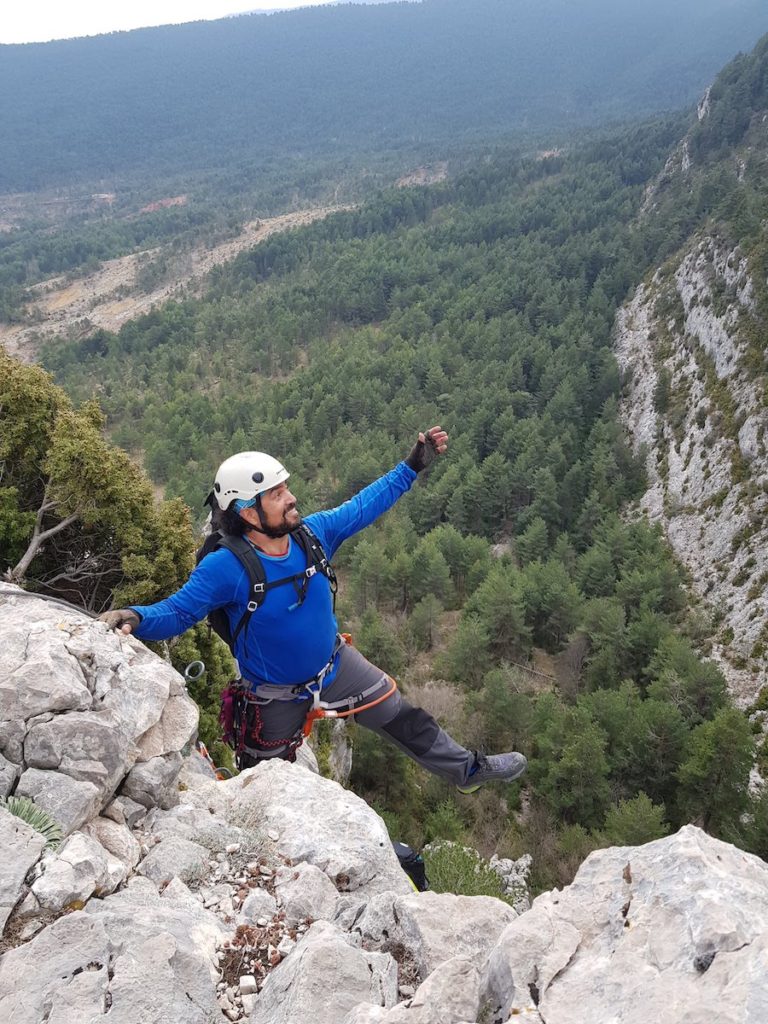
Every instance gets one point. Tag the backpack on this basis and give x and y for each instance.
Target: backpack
(218, 620)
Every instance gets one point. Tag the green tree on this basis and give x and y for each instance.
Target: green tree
(634, 822)
(379, 643)
(424, 621)
(577, 785)
(498, 605)
(85, 525)
(430, 573)
(469, 654)
(679, 677)
(714, 776)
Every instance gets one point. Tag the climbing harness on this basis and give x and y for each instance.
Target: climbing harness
(243, 723)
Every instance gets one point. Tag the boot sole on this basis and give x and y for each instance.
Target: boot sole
(467, 790)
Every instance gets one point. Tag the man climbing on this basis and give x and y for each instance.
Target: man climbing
(283, 630)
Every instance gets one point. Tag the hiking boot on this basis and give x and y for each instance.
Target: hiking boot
(494, 768)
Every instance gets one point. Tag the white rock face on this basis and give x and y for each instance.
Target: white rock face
(80, 706)
(433, 927)
(133, 955)
(258, 905)
(175, 858)
(450, 993)
(21, 847)
(318, 822)
(323, 979)
(714, 516)
(79, 869)
(304, 891)
(670, 932)
(117, 839)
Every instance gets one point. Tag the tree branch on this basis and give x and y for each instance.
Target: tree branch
(39, 537)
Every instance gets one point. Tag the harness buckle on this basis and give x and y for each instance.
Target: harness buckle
(310, 571)
(259, 588)
(252, 606)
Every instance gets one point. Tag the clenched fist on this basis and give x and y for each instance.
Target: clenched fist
(431, 443)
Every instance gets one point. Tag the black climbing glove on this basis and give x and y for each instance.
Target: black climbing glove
(124, 620)
(431, 443)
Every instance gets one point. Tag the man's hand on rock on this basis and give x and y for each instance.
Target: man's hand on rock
(431, 443)
(123, 620)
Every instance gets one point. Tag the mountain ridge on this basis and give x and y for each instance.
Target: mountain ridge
(354, 75)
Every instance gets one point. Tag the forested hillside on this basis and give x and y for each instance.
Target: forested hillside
(507, 592)
(181, 98)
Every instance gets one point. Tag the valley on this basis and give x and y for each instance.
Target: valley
(72, 307)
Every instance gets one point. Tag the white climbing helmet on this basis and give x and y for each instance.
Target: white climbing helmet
(245, 475)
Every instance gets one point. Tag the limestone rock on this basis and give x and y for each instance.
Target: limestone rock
(323, 979)
(21, 847)
(434, 927)
(79, 869)
(153, 783)
(320, 823)
(340, 756)
(199, 825)
(194, 768)
(137, 955)
(175, 729)
(450, 994)
(70, 802)
(365, 1013)
(304, 891)
(175, 858)
(12, 735)
(674, 930)
(125, 811)
(305, 756)
(257, 904)
(92, 746)
(39, 980)
(37, 675)
(116, 839)
(9, 772)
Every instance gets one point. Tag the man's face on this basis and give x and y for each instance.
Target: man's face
(279, 508)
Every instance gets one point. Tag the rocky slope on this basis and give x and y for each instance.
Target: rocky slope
(113, 295)
(691, 344)
(275, 897)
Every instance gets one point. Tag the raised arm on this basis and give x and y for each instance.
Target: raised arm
(335, 525)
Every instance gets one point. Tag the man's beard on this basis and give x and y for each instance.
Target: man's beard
(276, 532)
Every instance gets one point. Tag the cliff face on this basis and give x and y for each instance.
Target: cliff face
(694, 405)
(692, 345)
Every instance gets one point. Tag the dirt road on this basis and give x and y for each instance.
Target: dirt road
(110, 297)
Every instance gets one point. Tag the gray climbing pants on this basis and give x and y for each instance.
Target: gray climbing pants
(411, 729)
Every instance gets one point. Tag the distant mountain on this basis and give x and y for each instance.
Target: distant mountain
(354, 75)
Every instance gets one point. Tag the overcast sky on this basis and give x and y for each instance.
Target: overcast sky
(37, 21)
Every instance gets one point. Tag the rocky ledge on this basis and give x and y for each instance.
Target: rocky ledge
(275, 897)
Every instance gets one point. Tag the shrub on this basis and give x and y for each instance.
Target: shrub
(453, 868)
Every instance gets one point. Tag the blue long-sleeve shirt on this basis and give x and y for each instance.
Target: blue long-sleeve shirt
(280, 645)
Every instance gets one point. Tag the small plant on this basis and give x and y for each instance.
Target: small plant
(27, 810)
(458, 869)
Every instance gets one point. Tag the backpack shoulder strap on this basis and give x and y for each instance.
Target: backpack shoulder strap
(316, 557)
(248, 557)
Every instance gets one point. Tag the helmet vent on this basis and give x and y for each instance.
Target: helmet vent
(258, 478)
